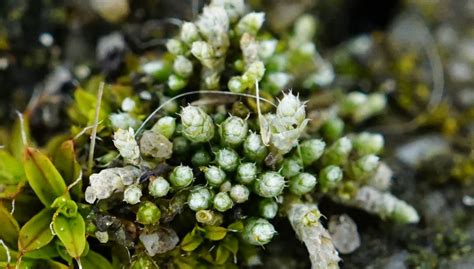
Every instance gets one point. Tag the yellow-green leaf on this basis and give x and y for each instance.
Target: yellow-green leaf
(43, 177)
(72, 233)
(237, 226)
(215, 233)
(8, 227)
(94, 260)
(222, 254)
(36, 232)
(11, 169)
(20, 135)
(68, 166)
(231, 243)
(191, 241)
(46, 252)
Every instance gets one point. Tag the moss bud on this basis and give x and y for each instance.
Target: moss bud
(239, 193)
(233, 131)
(222, 202)
(199, 198)
(268, 208)
(214, 175)
(302, 183)
(181, 176)
(270, 184)
(158, 187)
(227, 159)
(148, 213)
(246, 173)
(258, 231)
(197, 125)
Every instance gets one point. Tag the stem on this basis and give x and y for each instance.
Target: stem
(94, 129)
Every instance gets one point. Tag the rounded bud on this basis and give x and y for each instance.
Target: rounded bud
(222, 202)
(176, 83)
(246, 173)
(148, 213)
(333, 128)
(165, 126)
(258, 231)
(338, 152)
(239, 193)
(365, 166)
(199, 198)
(189, 33)
(132, 194)
(182, 66)
(236, 85)
(367, 143)
(201, 158)
(226, 186)
(209, 217)
(254, 149)
(158, 187)
(214, 176)
(202, 50)
(268, 208)
(175, 47)
(302, 183)
(311, 150)
(197, 125)
(227, 159)
(181, 176)
(254, 72)
(291, 108)
(270, 184)
(290, 168)
(329, 176)
(250, 23)
(233, 131)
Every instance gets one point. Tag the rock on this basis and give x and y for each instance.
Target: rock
(412, 153)
(344, 233)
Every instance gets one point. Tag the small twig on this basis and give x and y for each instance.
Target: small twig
(13, 207)
(94, 129)
(79, 178)
(83, 131)
(140, 129)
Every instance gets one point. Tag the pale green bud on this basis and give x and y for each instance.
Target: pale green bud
(236, 85)
(212, 80)
(246, 173)
(338, 152)
(222, 202)
(132, 194)
(123, 121)
(404, 213)
(148, 213)
(124, 141)
(239, 193)
(202, 50)
(333, 128)
(329, 177)
(254, 149)
(226, 186)
(268, 208)
(254, 72)
(291, 109)
(269, 184)
(176, 83)
(250, 23)
(267, 48)
(128, 104)
(227, 159)
(180, 145)
(197, 125)
(158, 187)
(234, 8)
(367, 143)
(277, 81)
(305, 28)
(365, 166)
(290, 168)
(182, 66)
(311, 150)
(165, 126)
(258, 231)
(159, 69)
(189, 33)
(214, 176)
(233, 131)
(181, 176)
(175, 47)
(302, 183)
(199, 198)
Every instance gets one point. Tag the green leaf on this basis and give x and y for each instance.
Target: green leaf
(94, 260)
(11, 169)
(231, 243)
(237, 226)
(215, 233)
(36, 232)
(20, 132)
(46, 252)
(68, 166)
(191, 241)
(43, 177)
(72, 233)
(9, 228)
(222, 254)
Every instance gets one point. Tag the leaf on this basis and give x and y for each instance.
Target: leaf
(46, 252)
(94, 260)
(231, 243)
(20, 132)
(43, 177)
(72, 233)
(36, 232)
(237, 226)
(215, 233)
(191, 241)
(9, 227)
(222, 254)
(68, 166)
(11, 169)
